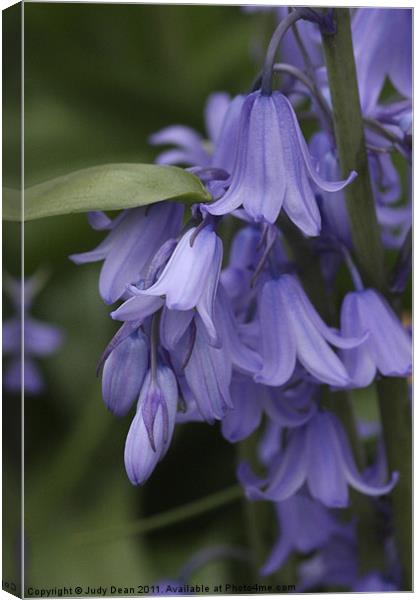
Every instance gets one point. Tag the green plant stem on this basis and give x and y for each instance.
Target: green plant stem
(165, 519)
(350, 142)
(349, 134)
(397, 429)
(256, 515)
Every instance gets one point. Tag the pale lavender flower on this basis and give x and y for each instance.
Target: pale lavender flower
(291, 329)
(189, 280)
(123, 373)
(191, 149)
(317, 453)
(273, 167)
(388, 349)
(222, 122)
(376, 58)
(151, 430)
(135, 237)
(208, 370)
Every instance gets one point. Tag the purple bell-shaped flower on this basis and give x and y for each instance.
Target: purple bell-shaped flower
(291, 329)
(273, 167)
(388, 348)
(152, 428)
(317, 454)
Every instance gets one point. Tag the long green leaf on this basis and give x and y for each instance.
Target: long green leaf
(105, 187)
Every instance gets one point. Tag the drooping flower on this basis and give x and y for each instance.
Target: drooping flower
(123, 373)
(290, 407)
(376, 58)
(222, 123)
(208, 370)
(190, 147)
(273, 167)
(189, 280)
(291, 329)
(135, 237)
(39, 339)
(151, 430)
(304, 525)
(337, 564)
(388, 348)
(317, 453)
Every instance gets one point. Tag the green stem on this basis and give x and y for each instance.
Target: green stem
(349, 133)
(165, 519)
(350, 142)
(397, 429)
(257, 517)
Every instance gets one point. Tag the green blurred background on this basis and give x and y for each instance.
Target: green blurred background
(99, 79)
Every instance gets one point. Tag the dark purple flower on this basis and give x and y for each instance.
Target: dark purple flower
(290, 329)
(388, 348)
(273, 167)
(135, 237)
(317, 453)
(151, 430)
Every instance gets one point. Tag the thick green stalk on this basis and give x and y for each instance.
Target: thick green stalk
(397, 426)
(350, 142)
(349, 133)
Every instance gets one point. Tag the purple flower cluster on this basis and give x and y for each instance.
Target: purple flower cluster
(246, 344)
(39, 339)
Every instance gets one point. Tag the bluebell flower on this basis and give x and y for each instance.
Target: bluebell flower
(189, 280)
(376, 58)
(190, 148)
(304, 525)
(388, 349)
(222, 123)
(286, 407)
(374, 582)
(291, 329)
(273, 167)
(394, 220)
(134, 238)
(39, 339)
(318, 453)
(209, 369)
(336, 564)
(151, 430)
(123, 373)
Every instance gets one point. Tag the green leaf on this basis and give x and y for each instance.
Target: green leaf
(105, 187)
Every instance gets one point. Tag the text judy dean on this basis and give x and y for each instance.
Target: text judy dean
(157, 589)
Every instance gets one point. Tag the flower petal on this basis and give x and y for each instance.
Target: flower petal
(278, 343)
(326, 477)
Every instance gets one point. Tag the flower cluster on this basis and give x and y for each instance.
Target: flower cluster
(39, 339)
(243, 339)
